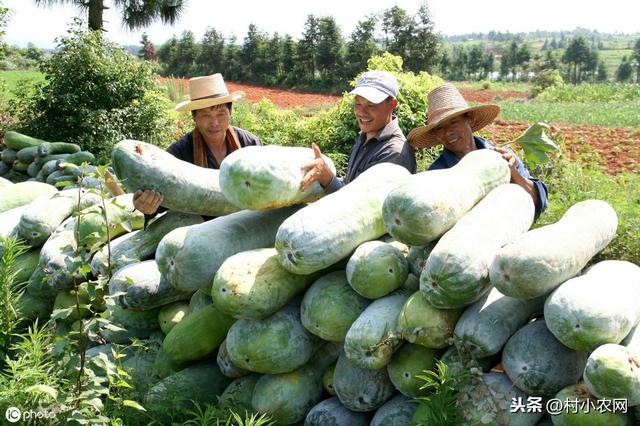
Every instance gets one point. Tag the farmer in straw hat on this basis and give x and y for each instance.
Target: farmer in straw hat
(380, 140)
(451, 122)
(213, 137)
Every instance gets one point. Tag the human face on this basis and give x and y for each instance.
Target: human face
(456, 135)
(373, 117)
(213, 122)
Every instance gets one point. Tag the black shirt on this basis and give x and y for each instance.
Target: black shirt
(183, 147)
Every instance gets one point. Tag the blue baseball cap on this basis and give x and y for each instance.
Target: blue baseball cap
(376, 86)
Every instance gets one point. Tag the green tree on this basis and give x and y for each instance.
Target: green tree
(233, 63)
(210, 57)
(95, 95)
(601, 74)
(577, 56)
(361, 46)
(330, 51)
(185, 55)
(273, 69)
(135, 13)
(424, 44)
(307, 50)
(474, 61)
(253, 54)
(288, 58)
(636, 57)
(398, 27)
(624, 71)
(4, 18)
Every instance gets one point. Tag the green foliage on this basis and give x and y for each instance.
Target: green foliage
(535, 144)
(613, 114)
(441, 406)
(569, 183)
(95, 95)
(545, 79)
(602, 92)
(10, 249)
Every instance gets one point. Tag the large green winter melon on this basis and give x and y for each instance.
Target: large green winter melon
(421, 323)
(377, 268)
(140, 245)
(288, 397)
(457, 271)
(541, 259)
(537, 363)
(411, 360)
(185, 187)
(276, 344)
(361, 389)
(598, 307)
(398, 411)
(140, 287)
(253, 285)
(197, 335)
(239, 393)
(45, 215)
(227, 366)
(431, 202)
(328, 230)
(330, 306)
(171, 314)
(331, 412)
(583, 409)
(174, 395)
(486, 325)
(613, 371)
(190, 256)
(19, 194)
(372, 338)
(265, 177)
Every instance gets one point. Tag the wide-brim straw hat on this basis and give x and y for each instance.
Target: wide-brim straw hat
(208, 91)
(446, 103)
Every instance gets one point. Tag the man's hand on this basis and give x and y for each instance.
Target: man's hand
(510, 158)
(147, 201)
(317, 170)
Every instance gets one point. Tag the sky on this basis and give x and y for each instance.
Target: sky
(41, 26)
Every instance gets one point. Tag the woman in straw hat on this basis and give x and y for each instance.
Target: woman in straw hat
(451, 122)
(213, 137)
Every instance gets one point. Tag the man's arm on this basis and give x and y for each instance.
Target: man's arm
(520, 175)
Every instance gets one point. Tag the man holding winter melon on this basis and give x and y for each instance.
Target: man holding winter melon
(213, 137)
(451, 122)
(380, 140)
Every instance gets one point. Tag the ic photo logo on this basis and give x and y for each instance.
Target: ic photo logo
(13, 414)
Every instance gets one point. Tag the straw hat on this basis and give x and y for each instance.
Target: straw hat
(208, 91)
(446, 103)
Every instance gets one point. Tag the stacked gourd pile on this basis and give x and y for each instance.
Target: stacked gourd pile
(280, 306)
(26, 158)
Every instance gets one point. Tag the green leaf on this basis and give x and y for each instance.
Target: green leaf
(48, 390)
(133, 404)
(535, 143)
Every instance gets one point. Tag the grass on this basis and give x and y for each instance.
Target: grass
(497, 86)
(10, 80)
(611, 114)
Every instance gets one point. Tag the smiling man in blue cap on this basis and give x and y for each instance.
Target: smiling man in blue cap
(380, 140)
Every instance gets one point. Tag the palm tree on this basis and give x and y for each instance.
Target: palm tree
(135, 13)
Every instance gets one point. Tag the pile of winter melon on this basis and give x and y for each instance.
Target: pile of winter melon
(324, 309)
(27, 158)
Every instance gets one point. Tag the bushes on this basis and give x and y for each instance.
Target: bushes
(95, 94)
